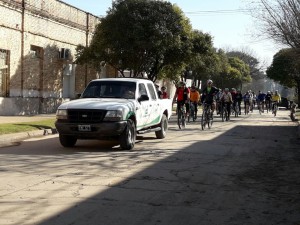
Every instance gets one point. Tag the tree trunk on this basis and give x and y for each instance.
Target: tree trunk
(298, 92)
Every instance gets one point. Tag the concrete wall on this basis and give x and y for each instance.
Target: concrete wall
(35, 32)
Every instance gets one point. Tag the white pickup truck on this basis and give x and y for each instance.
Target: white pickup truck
(114, 108)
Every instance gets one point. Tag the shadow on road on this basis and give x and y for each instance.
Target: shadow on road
(248, 175)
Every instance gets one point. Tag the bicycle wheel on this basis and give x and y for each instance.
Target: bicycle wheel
(183, 120)
(209, 119)
(191, 115)
(275, 110)
(179, 112)
(236, 110)
(246, 109)
(203, 120)
(226, 115)
(222, 113)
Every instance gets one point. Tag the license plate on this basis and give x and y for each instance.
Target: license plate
(84, 128)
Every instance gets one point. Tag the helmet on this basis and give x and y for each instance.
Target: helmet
(226, 89)
(209, 81)
(181, 83)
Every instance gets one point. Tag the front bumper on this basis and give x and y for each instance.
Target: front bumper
(102, 130)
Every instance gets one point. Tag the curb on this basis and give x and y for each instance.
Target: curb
(12, 139)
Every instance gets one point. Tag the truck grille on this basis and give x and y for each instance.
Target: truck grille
(85, 116)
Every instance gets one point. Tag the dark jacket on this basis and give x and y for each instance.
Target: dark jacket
(208, 96)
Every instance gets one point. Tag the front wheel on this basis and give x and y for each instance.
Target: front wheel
(163, 126)
(67, 140)
(127, 138)
(203, 121)
(209, 119)
(179, 118)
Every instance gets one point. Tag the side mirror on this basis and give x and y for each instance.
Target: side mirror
(78, 95)
(143, 98)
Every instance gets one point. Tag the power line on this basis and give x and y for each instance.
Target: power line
(221, 11)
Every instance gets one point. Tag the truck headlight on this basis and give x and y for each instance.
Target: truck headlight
(113, 115)
(61, 114)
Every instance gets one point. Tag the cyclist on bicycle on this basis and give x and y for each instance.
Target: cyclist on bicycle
(218, 101)
(276, 98)
(182, 95)
(238, 99)
(261, 100)
(234, 94)
(194, 98)
(268, 99)
(208, 95)
(227, 100)
(247, 100)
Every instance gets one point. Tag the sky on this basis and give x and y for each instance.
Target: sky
(227, 21)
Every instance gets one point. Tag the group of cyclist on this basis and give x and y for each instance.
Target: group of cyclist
(218, 98)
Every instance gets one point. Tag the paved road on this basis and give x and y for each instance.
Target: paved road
(241, 172)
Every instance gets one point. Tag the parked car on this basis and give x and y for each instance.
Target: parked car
(284, 103)
(114, 108)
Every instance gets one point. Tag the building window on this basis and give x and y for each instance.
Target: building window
(4, 73)
(36, 51)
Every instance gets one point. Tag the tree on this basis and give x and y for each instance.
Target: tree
(285, 69)
(140, 36)
(202, 58)
(256, 70)
(280, 20)
(239, 72)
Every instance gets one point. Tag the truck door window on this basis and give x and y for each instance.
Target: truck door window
(152, 91)
(142, 90)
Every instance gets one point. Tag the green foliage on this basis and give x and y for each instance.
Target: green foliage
(202, 61)
(253, 63)
(285, 69)
(141, 36)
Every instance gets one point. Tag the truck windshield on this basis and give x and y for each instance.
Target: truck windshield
(110, 89)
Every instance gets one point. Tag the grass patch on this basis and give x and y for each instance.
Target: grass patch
(9, 128)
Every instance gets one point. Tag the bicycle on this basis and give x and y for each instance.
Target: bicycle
(247, 105)
(224, 113)
(274, 108)
(181, 117)
(207, 118)
(268, 106)
(261, 107)
(236, 109)
(192, 112)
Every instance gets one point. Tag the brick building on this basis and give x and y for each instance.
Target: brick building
(38, 39)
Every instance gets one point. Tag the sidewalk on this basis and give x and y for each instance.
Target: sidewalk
(12, 139)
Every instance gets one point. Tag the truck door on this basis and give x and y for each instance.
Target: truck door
(142, 111)
(154, 106)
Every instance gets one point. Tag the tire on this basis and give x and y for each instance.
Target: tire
(203, 121)
(222, 114)
(192, 114)
(209, 120)
(67, 140)
(127, 138)
(236, 110)
(183, 121)
(164, 127)
(179, 118)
